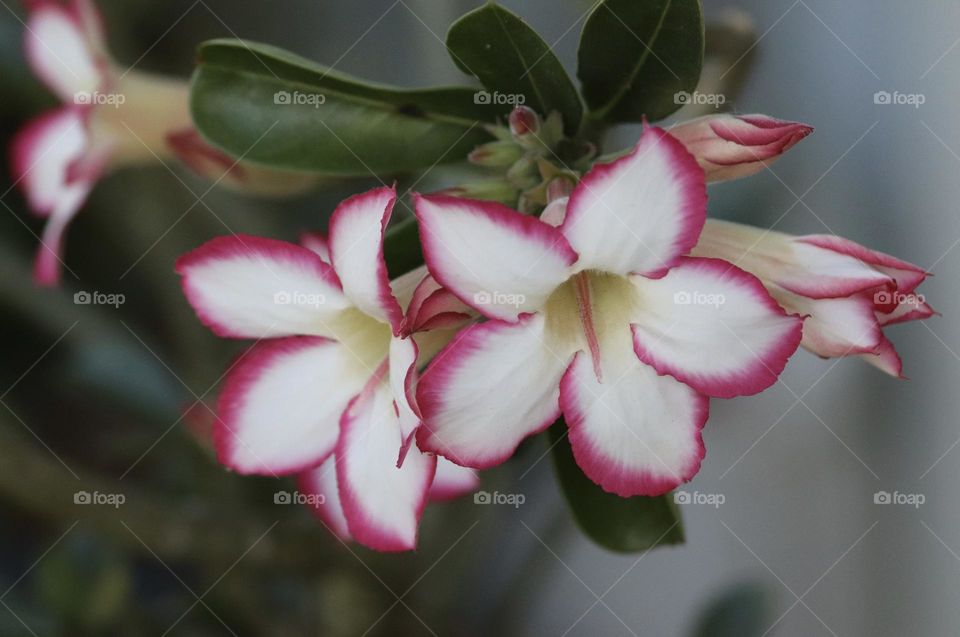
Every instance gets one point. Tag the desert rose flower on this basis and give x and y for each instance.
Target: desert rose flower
(848, 293)
(328, 389)
(734, 146)
(110, 118)
(602, 319)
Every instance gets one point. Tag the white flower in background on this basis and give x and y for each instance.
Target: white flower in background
(109, 118)
(327, 392)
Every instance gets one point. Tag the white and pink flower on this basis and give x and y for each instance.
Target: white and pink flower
(734, 146)
(848, 293)
(110, 118)
(599, 316)
(327, 391)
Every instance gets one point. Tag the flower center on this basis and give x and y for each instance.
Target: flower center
(366, 338)
(582, 286)
(591, 312)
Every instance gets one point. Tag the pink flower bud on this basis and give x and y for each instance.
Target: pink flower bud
(730, 147)
(524, 121)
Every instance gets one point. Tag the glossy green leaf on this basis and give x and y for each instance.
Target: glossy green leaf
(635, 56)
(510, 59)
(275, 108)
(625, 525)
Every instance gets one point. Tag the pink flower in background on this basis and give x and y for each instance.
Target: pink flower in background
(602, 319)
(734, 146)
(848, 293)
(110, 118)
(327, 391)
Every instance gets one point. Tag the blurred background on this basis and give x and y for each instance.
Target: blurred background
(92, 396)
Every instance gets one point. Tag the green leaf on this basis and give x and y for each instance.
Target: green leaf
(626, 525)
(264, 104)
(635, 56)
(509, 59)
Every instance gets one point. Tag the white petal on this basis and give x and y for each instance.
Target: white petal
(492, 258)
(62, 53)
(714, 327)
(382, 503)
(356, 252)
(493, 386)
(639, 213)
(248, 287)
(834, 327)
(43, 152)
(280, 408)
(634, 432)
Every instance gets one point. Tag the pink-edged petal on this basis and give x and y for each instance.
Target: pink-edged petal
(248, 287)
(496, 260)
(714, 327)
(735, 146)
(43, 152)
(62, 49)
(634, 433)
(47, 266)
(452, 481)
(317, 243)
(641, 212)
(432, 306)
(834, 327)
(321, 484)
(796, 265)
(402, 374)
(280, 409)
(910, 307)
(382, 503)
(47, 155)
(885, 359)
(907, 275)
(356, 252)
(493, 386)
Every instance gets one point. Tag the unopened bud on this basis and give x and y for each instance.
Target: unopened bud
(524, 121)
(496, 154)
(498, 190)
